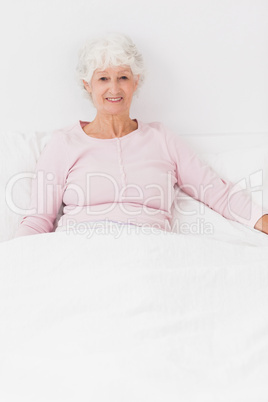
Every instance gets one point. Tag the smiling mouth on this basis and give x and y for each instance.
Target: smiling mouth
(114, 100)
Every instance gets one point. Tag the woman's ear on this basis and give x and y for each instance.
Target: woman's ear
(87, 86)
(137, 79)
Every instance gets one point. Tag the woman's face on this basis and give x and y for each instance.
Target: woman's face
(112, 89)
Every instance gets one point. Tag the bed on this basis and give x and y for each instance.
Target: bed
(123, 314)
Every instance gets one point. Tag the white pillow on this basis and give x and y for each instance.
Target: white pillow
(18, 155)
(245, 167)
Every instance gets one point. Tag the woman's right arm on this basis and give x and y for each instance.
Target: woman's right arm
(47, 188)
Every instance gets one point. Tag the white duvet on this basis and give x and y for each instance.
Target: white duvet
(134, 317)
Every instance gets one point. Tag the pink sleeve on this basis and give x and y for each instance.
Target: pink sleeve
(47, 188)
(199, 181)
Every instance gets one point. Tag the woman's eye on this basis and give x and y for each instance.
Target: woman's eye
(124, 77)
(103, 78)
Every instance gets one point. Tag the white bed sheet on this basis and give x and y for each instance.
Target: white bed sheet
(134, 316)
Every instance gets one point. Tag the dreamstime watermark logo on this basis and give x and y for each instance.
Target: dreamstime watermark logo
(100, 193)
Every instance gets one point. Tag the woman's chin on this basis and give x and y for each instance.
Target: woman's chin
(115, 109)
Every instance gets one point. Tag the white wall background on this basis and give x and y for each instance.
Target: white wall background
(207, 61)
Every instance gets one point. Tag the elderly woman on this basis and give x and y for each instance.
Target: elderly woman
(119, 169)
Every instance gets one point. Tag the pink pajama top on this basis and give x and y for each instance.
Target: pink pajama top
(129, 179)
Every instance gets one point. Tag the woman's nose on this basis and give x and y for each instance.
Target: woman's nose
(114, 86)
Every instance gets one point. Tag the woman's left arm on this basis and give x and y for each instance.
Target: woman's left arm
(201, 182)
(262, 224)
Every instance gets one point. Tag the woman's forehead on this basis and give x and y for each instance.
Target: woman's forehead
(111, 69)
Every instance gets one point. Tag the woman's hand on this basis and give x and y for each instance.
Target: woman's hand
(262, 224)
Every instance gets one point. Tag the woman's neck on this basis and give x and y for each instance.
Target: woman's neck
(110, 126)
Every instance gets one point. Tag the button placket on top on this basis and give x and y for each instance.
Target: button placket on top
(119, 152)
